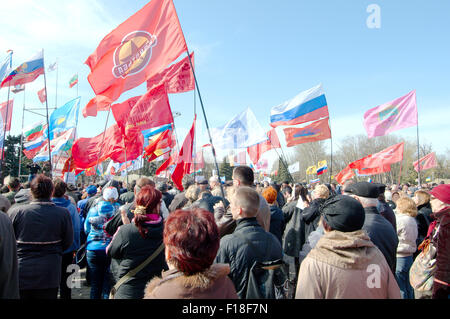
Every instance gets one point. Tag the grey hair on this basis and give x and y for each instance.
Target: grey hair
(368, 202)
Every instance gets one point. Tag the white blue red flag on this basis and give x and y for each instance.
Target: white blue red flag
(26, 72)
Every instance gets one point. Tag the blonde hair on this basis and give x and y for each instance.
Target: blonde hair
(321, 191)
(423, 197)
(406, 206)
(192, 193)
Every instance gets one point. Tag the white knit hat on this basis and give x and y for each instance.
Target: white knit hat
(110, 193)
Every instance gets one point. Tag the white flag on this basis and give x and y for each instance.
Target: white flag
(294, 167)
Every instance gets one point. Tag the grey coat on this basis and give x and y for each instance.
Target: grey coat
(9, 274)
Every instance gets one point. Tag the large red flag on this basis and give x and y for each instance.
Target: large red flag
(143, 112)
(257, 150)
(346, 174)
(178, 77)
(87, 152)
(3, 111)
(390, 155)
(426, 162)
(316, 131)
(98, 103)
(184, 160)
(136, 50)
(374, 170)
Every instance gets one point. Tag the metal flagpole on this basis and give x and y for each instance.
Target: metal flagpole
(21, 135)
(195, 135)
(101, 147)
(48, 126)
(6, 118)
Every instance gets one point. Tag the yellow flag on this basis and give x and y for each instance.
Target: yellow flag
(322, 164)
(311, 170)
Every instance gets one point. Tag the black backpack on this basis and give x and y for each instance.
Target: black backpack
(267, 279)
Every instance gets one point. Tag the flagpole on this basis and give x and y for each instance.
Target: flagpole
(418, 151)
(101, 147)
(195, 135)
(6, 118)
(400, 174)
(282, 160)
(21, 135)
(48, 125)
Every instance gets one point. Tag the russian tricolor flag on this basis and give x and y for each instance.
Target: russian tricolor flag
(308, 106)
(26, 72)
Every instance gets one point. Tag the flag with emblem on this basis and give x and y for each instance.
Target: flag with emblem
(64, 117)
(322, 167)
(139, 48)
(311, 170)
(26, 72)
(426, 162)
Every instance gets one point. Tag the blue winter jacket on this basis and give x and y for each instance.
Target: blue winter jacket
(98, 215)
(66, 203)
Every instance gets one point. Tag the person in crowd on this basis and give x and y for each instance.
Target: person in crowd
(34, 170)
(379, 229)
(167, 197)
(342, 262)
(43, 232)
(128, 197)
(383, 207)
(180, 200)
(192, 195)
(74, 193)
(407, 236)
(133, 243)
(286, 191)
(61, 200)
(242, 176)
(13, 185)
(9, 273)
(249, 242)
(97, 241)
(424, 216)
(280, 198)
(440, 205)
(291, 203)
(214, 184)
(277, 224)
(347, 185)
(5, 204)
(395, 197)
(191, 239)
(202, 184)
(91, 191)
(23, 197)
(97, 197)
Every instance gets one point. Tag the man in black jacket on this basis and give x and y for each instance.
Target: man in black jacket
(379, 229)
(249, 242)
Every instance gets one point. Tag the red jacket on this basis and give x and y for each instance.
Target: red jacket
(441, 285)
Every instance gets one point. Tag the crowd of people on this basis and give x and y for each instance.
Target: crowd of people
(149, 240)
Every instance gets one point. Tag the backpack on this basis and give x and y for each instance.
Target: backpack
(267, 279)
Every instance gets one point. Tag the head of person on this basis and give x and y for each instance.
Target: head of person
(381, 191)
(59, 188)
(245, 203)
(342, 213)
(148, 205)
(284, 184)
(41, 187)
(186, 182)
(303, 193)
(141, 182)
(287, 192)
(270, 195)
(202, 184)
(406, 206)
(131, 186)
(91, 190)
(421, 198)
(192, 240)
(265, 184)
(243, 176)
(395, 196)
(192, 193)
(13, 183)
(440, 198)
(346, 186)
(321, 191)
(110, 194)
(214, 181)
(366, 193)
(163, 188)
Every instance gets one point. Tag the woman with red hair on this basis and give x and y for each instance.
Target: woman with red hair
(192, 240)
(133, 243)
(277, 224)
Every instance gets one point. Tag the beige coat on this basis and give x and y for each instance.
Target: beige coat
(346, 266)
(213, 283)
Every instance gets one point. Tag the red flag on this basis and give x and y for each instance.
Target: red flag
(161, 145)
(345, 174)
(3, 110)
(42, 96)
(240, 158)
(143, 112)
(178, 77)
(375, 170)
(98, 103)
(257, 150)
(136, 50)
(390, 155)
(426, 162)
(184, 161)
(316, 131)
(87, 152)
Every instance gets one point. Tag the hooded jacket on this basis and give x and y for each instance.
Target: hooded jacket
(346, 266)
(407, 235)
(212, 283)
(66, 203)
(424, 218)
(97, 217)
